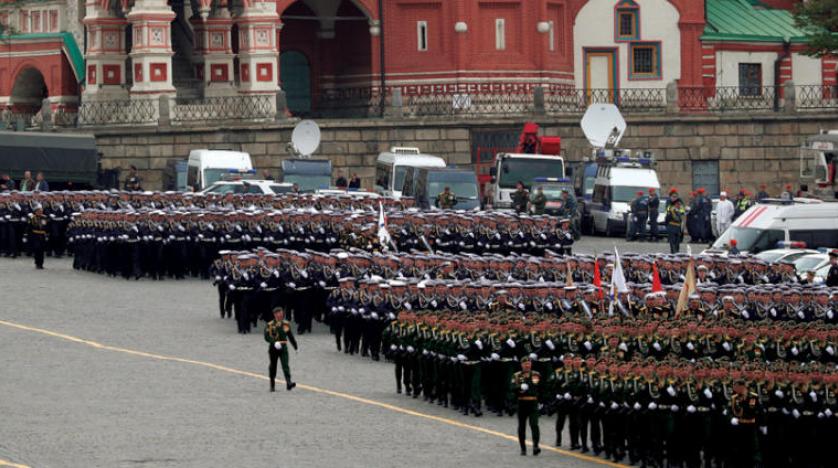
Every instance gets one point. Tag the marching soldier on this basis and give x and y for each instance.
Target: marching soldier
(278, 334)
(38, 225)
(525, 387)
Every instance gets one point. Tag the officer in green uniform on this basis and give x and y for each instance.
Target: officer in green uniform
(525, 386)
(539, 201)
(674, 221)
(520, 198)
(38, 235)
(446, 200)
(278, 334)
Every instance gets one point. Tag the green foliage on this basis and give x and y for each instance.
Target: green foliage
(819, 18)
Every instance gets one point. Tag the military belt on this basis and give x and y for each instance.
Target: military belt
(38, 231)
(747, 421)
(527, 398)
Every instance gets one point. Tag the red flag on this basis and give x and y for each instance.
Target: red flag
(656, 279)
(597, 278)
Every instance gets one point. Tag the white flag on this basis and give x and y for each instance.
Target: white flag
(383, 234)
(618, 282)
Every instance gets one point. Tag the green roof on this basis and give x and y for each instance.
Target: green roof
(749, 21)
(71, 49)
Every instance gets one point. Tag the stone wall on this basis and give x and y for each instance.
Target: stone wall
(750, 150)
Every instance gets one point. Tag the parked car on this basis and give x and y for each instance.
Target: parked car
(810, 262)
(785, 254)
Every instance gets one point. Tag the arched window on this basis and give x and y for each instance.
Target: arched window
(626, 21)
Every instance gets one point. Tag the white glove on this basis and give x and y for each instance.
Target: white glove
(779, 393)
(671, 390)
(393, 347)
(590, 400)
(763, 429)
(657, 346)
(495, 356)
(510, 342)
(522, 306)
(813, 396)
(524, 387)
(637, 406)
(795, 413)
(263, 285)
(391, 316)
(708, 393)
(653, 406)
(410, 349)
(726, 346)
(734, 421)
(461, 357)
(801, 314)
(773, 312)
(433, 303)
(821, 415)
(691, 409)
(479, 344)
(567, 396)
(614, 405)
(828, 413)
(623, 347)
(463, 306)
(830, 350)
(745, 314)
(559, 397)
(550, 345)
(533, 356)
(374, 316)
(674, 408)
(277, 345)
(691, 346)
(588, 345)
(321, 283)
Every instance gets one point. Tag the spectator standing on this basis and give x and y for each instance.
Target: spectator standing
(340, 182)
(133, 183)
(355, 182)
(762, 194)
(654, 208)
(41, 185)
(27, 184)
(724, 213)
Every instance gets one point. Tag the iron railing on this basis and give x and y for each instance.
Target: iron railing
(467, 99)
(566, 100)
(16, 120)
(729, 98)
(816, 97)
(135, 111)
(251, 107)
(354, 102)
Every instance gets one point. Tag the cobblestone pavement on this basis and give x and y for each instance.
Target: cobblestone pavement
(103, 372)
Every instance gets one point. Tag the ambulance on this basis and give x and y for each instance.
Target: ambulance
(811, 223)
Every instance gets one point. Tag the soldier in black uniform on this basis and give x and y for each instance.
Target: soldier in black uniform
(654, 208)
(832, 275)
(38, 225)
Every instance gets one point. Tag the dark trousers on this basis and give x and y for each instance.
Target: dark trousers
(653, 226)
(674, 235)
(282, 356)
(528, 411)
(37, 245)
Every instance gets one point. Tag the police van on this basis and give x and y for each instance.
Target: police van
(391, 168)
(205, 166)
(813, 224)
(619, 177)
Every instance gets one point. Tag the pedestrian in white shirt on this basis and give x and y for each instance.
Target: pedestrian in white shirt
(724, 213)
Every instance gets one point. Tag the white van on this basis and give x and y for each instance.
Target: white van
(205, 166)
(764, 225)
(617, 182)
(391, 166)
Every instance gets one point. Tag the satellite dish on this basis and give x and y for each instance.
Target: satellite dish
(603, 125)
(305, 138)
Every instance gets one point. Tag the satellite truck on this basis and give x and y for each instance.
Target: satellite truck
(535, 157)
(310, 175)
(620, 173)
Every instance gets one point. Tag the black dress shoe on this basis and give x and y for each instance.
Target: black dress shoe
(536, 451)
(523, 452)
(290, 385)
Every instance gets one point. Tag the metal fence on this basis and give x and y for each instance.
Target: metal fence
(16, 120)
(250, 107)
(568, 100)
(816, 97)
(730, 98)
(127, 112)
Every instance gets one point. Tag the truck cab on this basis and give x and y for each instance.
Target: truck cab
(205, 167)
(819, 164)
(310, 175)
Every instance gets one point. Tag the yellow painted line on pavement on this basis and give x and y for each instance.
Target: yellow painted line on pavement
(323, 391)
(12, 465)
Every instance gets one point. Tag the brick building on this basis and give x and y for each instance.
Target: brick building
(322, 52)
